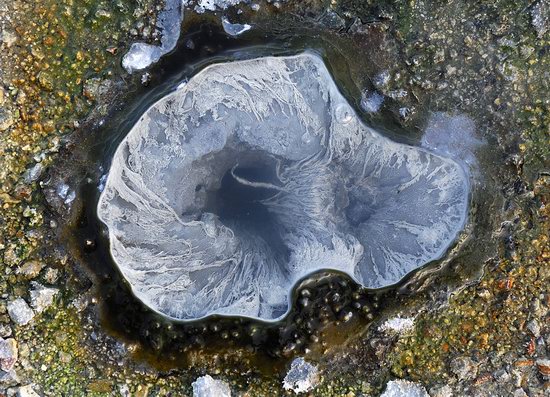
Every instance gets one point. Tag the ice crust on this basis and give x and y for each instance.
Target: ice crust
(142, 55)
(343, 196)
(234, 29)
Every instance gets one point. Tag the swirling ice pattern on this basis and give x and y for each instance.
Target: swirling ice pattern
(343, 197)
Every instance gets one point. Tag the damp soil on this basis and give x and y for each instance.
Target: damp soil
(328, 309)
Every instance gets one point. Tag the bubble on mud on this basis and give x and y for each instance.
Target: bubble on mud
(257, 173)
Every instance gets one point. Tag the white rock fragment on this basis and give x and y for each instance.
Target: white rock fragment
(20, 312)
(142, 55)
(42, 297)
(397, 325)
(404, 388)
(301, 377)
(234, 29)
(206, 386)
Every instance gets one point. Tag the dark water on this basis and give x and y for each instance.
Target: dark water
(327, 308)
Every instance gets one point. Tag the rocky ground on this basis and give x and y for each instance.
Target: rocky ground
(485, 333)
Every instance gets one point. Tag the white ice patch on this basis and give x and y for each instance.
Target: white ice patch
(404, 388)
(325, 191)
(301, 377)
(234, 29)
(142, 55)
(452, 136)
(371, 102)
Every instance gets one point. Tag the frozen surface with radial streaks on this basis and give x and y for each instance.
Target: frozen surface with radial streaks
(257, 173)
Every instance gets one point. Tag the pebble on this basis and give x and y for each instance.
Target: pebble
(7, 37)
(519, 393)
(8, 354)
(45, 81)
(33, 173)
(51, 275)
(501, 376)
(206, 386)
(8, 378)
(20, 312)
(464, 368)
(5, 331)
(42, 297)
(543, 365)
(534, 327)
(6, 119)
(30, 269)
